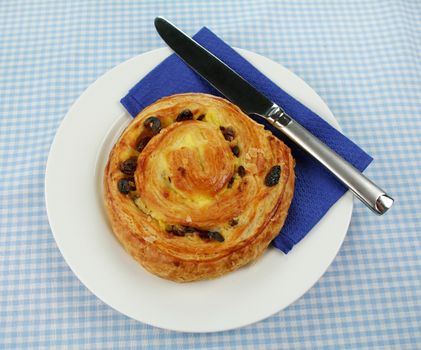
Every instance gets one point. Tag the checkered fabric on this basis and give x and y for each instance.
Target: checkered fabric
(363, 58)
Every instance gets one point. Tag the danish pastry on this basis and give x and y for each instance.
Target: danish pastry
(194, 188)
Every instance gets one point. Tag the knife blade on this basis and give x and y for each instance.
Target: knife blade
(251, 101)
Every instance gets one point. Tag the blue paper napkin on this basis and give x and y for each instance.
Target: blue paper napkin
(316, 190)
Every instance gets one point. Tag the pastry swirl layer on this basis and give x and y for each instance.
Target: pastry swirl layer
(194, 188)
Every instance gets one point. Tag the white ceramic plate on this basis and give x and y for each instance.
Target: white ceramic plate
(79, 224)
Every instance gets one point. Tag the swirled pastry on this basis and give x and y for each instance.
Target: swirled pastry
(194, 188)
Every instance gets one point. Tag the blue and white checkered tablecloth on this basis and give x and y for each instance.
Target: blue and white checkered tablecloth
(364, 59)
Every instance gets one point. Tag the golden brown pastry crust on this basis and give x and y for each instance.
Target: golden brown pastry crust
(189, 182)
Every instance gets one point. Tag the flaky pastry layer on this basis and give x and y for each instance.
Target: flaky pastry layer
(194, 188)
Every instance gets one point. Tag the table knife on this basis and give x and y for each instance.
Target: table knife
(251, 101)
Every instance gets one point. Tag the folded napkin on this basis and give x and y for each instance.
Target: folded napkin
(316, 190)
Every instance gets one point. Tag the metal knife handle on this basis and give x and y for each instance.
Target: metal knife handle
(363, 188)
